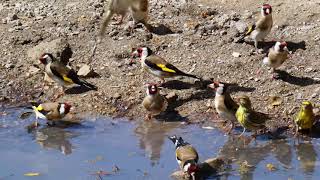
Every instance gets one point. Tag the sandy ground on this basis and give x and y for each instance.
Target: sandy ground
(183, 36)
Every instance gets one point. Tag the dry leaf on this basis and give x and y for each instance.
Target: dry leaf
(32, 174)
(271, 167)
(275, 101)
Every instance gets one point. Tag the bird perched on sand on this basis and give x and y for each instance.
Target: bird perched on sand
(259, 30)
(247, 117)
(276, 56)
(62, 74)
(305, 117)
(154, 102)
(186, 156)
(224, 104)
(50, 111)
(157, 66)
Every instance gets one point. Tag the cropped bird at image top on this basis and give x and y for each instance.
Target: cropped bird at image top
(138, 8)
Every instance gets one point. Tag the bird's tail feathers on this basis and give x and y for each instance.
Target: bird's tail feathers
(191, 75)
(88, 85)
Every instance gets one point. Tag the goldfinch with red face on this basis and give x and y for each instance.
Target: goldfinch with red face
(262, 27)
(62, 74)
(51, 111)
(154, 102)
(224, 104)
(186, 156)
(157, 66)
(276, 56)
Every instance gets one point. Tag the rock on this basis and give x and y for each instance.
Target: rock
(33, 70)
(86, 71)
(207, 168)
(240, 26)
(12, 17)
(116, 96)
(59, 48)
(236, 54)
(9, 66)
(171, 96)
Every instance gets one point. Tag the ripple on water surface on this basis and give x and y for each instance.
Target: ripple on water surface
(140, 150)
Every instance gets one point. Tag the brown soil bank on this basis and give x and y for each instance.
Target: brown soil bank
(197, 36)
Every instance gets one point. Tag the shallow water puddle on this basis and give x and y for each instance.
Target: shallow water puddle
(117, 149)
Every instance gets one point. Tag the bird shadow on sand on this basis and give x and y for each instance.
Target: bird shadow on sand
(203, 92)
(77, 90)
(300, 81)
(292, 46)
(171, 115)
(161, 29)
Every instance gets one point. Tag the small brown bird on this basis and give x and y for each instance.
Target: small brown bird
(224, 104)
(51, 111)
(138, 8)
(154, 102)
(157, 66)
(262, 27)
(186, 156)
(276, 56)
(62, 74)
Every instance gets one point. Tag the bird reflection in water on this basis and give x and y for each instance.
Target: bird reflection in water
(307, 157)
(247, 156)
(152, 135)
(55, 138)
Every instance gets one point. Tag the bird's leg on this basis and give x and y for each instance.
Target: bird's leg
(230, 130)
(275, 74)
(148, 117)
(193, 176)
(161, 81)
(244, 130)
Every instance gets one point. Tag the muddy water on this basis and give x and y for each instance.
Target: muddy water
(141, 151)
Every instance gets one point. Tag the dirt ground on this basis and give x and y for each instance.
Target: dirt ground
(197, 36)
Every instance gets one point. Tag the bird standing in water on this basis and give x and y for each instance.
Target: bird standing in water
(186, 156)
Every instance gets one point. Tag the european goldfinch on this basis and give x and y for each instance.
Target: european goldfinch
(154, 102)
(305, 117)
(51, 111)
(62, 74)
(276, 56)
(247, 117)
(262, 27)
(186, 156)
(157, 66)
(224, 104)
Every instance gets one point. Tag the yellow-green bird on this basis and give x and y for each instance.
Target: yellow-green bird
(186, 156)
(305, 117)
(247, 117)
